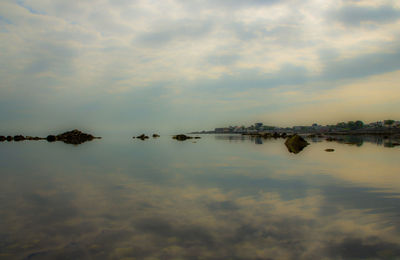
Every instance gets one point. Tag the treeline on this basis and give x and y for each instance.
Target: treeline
(354, 125)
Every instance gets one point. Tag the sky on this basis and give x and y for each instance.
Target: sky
(175, 65)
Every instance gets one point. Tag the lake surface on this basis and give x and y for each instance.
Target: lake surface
(223, 197)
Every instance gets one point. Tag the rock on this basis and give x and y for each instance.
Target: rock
(275, 135)
(182, 137)
(396, 144)
(197, 137)
(51, 138)
(156, 135)
(75, 137)
(31, 138)
(2, 138)
(329, 150)
(19, 138)
(142, 137)
(283, 135)
(296, 143)
(9, 138)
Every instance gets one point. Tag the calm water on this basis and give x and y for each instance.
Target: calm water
(223, 197)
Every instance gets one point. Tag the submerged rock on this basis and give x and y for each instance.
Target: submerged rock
(2, 138)
(329, 150)
(156, 135)
(296, 143)
(197, 137)
(9, 138)
(182, 137)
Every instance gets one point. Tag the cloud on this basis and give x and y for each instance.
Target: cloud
(227, 53)
(354, 15)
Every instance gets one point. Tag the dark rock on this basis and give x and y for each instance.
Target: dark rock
(197, 137)
(142, 137)
(31, 138)
(276, 135)
(75, 137)
(396, 144)
(283, 135)
(19, 138)
(2, 138)
(156, 135)
(51, 138)
(9, 138)
(329, 150)
(296, 144)
(182, 137)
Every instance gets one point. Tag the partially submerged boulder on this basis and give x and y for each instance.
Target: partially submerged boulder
(156, 135)
(71, 137)
(182, 137)
(296, 144)
(2, 138)
(9, 138)
(329, 150)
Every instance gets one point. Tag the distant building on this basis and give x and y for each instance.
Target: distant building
(258, 125)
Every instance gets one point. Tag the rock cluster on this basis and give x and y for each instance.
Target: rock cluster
(19, 138)
(142, 137)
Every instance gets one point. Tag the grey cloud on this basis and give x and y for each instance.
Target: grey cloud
(250, 79)
(362, 66)
(223, 59)
(57, 58)
(334, 70)
(356, 15)
(229, 4)
(182, 29)
(368, 248)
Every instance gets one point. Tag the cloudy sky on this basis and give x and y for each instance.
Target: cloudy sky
(133, 65)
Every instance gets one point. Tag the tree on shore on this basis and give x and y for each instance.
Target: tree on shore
(388, 122)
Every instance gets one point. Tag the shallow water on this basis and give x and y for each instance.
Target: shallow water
(223, 197)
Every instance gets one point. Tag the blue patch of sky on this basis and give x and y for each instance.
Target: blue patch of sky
(4, 20)
(29, 8)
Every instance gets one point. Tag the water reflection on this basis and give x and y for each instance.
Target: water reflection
(357, 140)
(211, 200)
